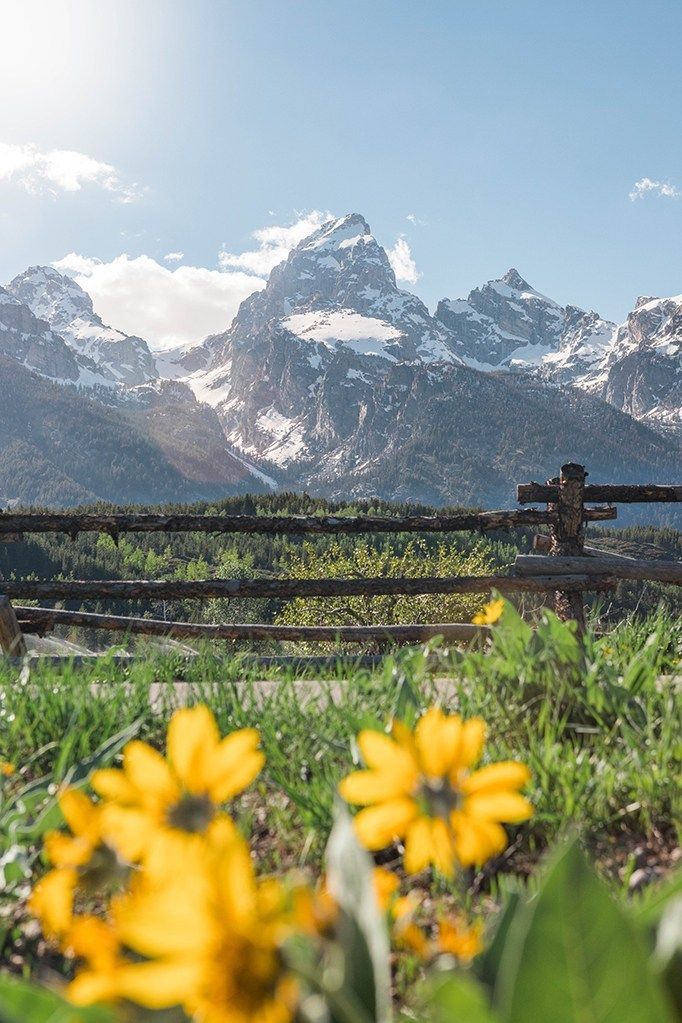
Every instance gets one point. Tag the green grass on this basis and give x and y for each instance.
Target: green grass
(600, 732)
(598, 724)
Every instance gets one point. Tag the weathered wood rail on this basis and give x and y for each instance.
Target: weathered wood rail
(144, 589)
(72, 523)
(42, 619)
(567, 568)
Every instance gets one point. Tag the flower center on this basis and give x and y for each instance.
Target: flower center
(103, 870)
(192, 813)
(438, 797)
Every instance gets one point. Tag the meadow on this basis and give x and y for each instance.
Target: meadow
(596, 724)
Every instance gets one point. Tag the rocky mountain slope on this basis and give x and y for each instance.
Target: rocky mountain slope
(333, 379)
(346, 385)
(636, 366)
(60, 447)
(63, 304)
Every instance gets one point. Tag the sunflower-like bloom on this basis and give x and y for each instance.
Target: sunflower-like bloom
(491, 613)
(156, 798)
(420, 788)
(83, 861)
(458, 939)
(208, 940)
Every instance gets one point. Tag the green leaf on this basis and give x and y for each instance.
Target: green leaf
(103, 755)
(655, 899)
(486, 966)
(574, 956)
(362, 929)
(21, 1002)
(457, 998)
(668, 954)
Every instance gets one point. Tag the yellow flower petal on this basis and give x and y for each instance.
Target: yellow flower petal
(159, 985)
(490, 613)
(475, 840)
(64, 851)
(192, 739)
(498, 806)
(233, 765)
(443, 850)
(508, 774)
(365, 787)
(378, 826)
(438, 739)
(386, 884)
(90, 987)
(113, 784)
(418, 847)
(473, 738)
(79, 812)
(52, 900)
(170, 921)
(129, 830)
(382, 753)
(148, 771)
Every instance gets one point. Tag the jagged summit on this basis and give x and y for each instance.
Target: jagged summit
(514, 279)
(60, 301)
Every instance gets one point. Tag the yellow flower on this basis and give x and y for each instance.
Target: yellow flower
(153, 797)
(491, 613)
(420, 788)
(83, 861)
(455, 938)
(104, 971)
(7, 769)
(400, 911)
(207, 940)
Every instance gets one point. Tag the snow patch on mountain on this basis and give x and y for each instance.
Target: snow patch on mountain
(365, 335)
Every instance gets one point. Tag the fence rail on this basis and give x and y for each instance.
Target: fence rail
(144, 589)
(114, 525)
(565, 567)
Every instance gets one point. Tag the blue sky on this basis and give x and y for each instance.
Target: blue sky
(508, 134)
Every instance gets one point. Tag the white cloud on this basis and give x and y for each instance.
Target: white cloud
(274, 244)
(166, 307)
(400, 258)
(61, 170)
(660, 188)
(173, 257)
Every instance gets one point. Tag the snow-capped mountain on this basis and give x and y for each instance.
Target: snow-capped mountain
(31, 342)
(333, 379)
(503, 323)
(643, 367)
(57, 299)
(342, 383)
(637, 366)
(304, 355)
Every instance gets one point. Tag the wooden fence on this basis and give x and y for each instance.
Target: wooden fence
(564, 566)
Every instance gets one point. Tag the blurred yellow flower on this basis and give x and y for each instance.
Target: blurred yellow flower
(491, 613)
(207, 940)
(420, 788)
(153, 797)
(7, 769)
(82, 861)
(457, 939)
(400, 912)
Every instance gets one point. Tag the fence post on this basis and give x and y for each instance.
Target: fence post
(568, 534)
(12, 640)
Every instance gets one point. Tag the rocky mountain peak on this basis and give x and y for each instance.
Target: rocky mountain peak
(57, 299)
(52, 296)
(514, 279)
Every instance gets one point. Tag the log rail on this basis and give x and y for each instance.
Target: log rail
(568, 570)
